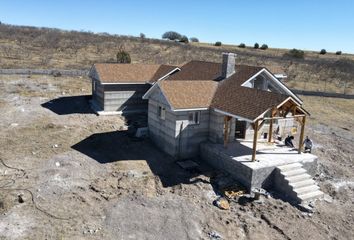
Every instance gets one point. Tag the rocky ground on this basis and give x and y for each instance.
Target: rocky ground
(69, 174)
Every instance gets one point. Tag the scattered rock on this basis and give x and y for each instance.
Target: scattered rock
(57, 164)
(14, 124)
(20, 199)
(55, 146)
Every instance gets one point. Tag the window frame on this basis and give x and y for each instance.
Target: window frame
(161, 112)
(195, 120)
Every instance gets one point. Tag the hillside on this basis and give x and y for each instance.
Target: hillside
(30, 47)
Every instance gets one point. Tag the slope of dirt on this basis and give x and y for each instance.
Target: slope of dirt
(70, 174)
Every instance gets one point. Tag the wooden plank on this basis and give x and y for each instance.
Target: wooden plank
(301, 139)
(255, 137)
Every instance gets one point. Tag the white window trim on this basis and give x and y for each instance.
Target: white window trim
(194, 122)
(161, 112)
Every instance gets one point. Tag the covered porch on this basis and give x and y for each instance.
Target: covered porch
(288, 109)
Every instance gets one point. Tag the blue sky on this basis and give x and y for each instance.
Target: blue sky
(309, 25)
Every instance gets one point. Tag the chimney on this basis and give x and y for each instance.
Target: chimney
(228, 64)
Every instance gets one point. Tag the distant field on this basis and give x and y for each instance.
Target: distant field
(29, 47)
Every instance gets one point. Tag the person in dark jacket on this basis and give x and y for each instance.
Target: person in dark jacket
(289, 141)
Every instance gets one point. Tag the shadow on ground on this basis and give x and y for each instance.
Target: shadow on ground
(69, 105)
(116, 146)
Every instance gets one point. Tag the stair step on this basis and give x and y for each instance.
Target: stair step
(290, 166)
(294, 172)
(306, 189)
(298, 178)
(310, 195)
(304, 183)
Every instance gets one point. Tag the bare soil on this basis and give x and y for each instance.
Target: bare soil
(69, 174)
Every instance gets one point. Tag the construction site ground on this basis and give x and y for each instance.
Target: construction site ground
(67, 173)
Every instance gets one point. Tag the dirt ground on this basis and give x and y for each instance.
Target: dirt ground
(69, 174)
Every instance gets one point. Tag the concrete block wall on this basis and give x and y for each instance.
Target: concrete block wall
(250, 178)
(162, 131)
(190, 135)
(219, 160)
(97, 95)
(216, 127)
(125, 97)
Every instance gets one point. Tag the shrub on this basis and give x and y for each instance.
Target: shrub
(264, 47)
(184, 39)
(256, 46)
(296, 53)
(123, 56)
(323, 51)
(142, 35)
(217, 44)
(171, 35)
(194, 39)
(339, 53)
(242, 45)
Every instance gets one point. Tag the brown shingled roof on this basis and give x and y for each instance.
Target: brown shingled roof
(131, 73)
(245, 102)
(189, 94)
(200, 70)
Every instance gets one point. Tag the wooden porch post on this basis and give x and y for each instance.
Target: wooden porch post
(301, 139)
(255, 137)
(270, 133)
(226, 130)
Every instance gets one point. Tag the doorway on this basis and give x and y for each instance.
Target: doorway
(240, 129)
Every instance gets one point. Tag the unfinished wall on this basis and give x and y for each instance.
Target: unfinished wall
(125, 97)
(174, 134)
(216, 128)
(162, 131)
(97, 95)
(189, 136)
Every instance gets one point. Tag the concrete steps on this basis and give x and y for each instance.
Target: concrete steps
(294, 181)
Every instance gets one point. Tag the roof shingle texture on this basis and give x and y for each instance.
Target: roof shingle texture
(189, 94)
(131, 73)
(189, 89)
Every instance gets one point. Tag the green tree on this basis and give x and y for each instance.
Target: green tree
(123, 56)
(323, 51)
(256, 46)
(242, 45)
(194, 39)
(171, 35)
(296, 53)
(184, 39)
(217, 43)
(264, 47)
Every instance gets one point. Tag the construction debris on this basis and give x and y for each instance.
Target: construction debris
(233, 192)
(222, 203)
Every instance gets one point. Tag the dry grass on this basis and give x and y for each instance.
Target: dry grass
(332, 112)
(28, 47)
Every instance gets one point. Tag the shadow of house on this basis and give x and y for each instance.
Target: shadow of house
(69, 105)
(117, 146)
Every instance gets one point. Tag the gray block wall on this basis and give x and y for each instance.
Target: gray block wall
(125, 97)
(97, 95)
(175, 135)
(249, 178)
(216, 128)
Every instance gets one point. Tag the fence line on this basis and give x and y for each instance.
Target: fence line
(322, 94)
(45, 72)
